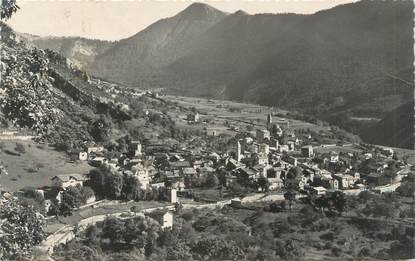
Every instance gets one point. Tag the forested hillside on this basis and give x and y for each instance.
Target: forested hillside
(43, 93)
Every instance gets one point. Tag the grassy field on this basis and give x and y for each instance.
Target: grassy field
(36, 166)
(53, 225)
(221, 110)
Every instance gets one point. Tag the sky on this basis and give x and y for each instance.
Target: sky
(118, 19)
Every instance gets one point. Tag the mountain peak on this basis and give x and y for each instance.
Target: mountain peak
(199, 10)
(240, 12)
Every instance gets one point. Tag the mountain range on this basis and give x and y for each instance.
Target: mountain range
(354, 60)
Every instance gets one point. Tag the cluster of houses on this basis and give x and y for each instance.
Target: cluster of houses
(258, 155)
(262, 154)
(265, 156)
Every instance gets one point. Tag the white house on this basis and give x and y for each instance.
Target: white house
(318, 190)
(83, 156)
(165, 218)
(64, 181)
(97, 149)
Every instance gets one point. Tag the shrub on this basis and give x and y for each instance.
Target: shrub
(20, 148)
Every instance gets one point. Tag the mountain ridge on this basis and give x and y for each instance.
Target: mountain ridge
(337, 61)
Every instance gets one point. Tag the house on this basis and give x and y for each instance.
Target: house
(193, 117)
(158, 185)
(172, 196)
(262, 135)
(163, 217)
(291, 145)
(246, 141)
(214, 131)
(318, 190)
(283, 148)
(236, 203)
(307, 151)
(179, 165)
(292, 160)
(141, 173)
(308, 175)
(261, 159)
(53, 193)
(263, 148)
(275, 183)
(368, 156)
(327, 182)
(345, 181)
(275, 172)
(91, 199)
(197, 164)
(249, 173)
(175, 157)
(47, 204)
(278, 131)
(136, 148)
(83, 156)
(64, 181)
(98, 161)
(377, 179)
(96, 150)
(214, 156)
(388, 152)
(261, 169)
(205, 171)
(233, 164)
(284, 123)
(334, 157)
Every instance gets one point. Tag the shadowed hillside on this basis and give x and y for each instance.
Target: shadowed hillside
(354, 60)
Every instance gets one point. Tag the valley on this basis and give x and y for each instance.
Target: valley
(258, 58)
(212, 135)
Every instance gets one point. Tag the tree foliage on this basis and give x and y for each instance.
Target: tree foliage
(8, 8)
(21, 228)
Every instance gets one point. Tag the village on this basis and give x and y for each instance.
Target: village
(268, 161)
(214, 155)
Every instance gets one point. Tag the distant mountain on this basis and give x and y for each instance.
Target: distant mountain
(354, 60)
(158, 45)
(81, 51)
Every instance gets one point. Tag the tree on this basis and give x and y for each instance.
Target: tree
(406, 189)
(21, 228)
(211, 181)
(71, 198)
(131, 189)
(86, 193)
(100, 129)
(288, 249)
(113, 229)
(215, 248)
(114, 186)
(7, 8)
(338, 201)
(263, 183)
(98, 181)
(290, 197)
(20, 148)
(92, 234)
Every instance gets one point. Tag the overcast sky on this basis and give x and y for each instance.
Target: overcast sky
(115, 19)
